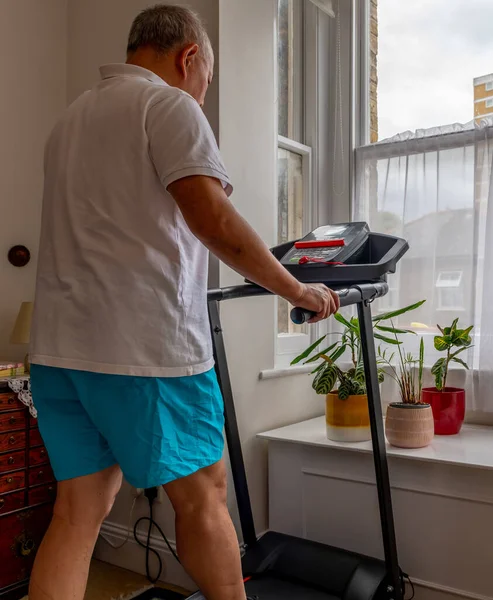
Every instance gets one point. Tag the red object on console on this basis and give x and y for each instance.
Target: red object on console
(320, 244)
(306, 259)
(449, 409)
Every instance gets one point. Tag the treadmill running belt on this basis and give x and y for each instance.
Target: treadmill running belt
(272, 588)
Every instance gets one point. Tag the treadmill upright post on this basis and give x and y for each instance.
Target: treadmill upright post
(231, 428)
(379, 451)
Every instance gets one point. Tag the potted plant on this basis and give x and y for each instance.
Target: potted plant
(409, 423)
(344, 386)
(448, 403)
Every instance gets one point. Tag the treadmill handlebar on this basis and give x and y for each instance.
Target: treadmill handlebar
(347, 295)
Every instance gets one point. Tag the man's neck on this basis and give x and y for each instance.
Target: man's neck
(161, 66)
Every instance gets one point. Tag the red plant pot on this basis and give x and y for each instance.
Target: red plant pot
(449, 409)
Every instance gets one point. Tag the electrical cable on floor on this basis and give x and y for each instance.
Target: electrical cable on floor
(151, 495)
(129, 528)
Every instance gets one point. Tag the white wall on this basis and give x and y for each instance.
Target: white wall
(33, 72)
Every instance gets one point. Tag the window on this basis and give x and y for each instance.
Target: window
(489, 86)
(450, 291)
(294, 175)
(430, 78)
(303, 48)
(429, 179)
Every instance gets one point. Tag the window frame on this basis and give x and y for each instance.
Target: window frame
(489, 86)
(288, 346)
(489, 102)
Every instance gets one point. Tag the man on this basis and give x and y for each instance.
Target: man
(135, 194)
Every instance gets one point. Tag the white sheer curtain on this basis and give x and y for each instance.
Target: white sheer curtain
(435, 188)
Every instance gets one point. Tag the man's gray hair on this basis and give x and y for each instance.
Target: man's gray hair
(166, 27)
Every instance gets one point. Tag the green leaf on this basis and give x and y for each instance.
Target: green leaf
(462, 337)
(441, 343)
(324, 382)
(381, 376)
(421, 364)
(454, 354)
(394, 330)
(359, 376)
(460, 362)
(454, 325)
(344, 390)
(308, 351)
(355, 323)
(438, 370)
(343, 321)
(386, 339)
(318, 368)
(359, 390)
(338, 353)
(320, 354)
(437, 366)
(397, 313)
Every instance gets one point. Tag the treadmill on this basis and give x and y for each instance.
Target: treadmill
(354, 262)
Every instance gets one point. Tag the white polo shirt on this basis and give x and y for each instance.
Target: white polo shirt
(122, 281)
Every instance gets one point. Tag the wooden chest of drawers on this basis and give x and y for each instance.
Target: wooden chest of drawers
(27, 494)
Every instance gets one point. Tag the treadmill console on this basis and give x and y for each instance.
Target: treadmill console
(331, 244)
(341, 254)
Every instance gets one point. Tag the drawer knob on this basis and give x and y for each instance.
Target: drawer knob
(10, 479)
(40, 474)
(42, 453)
(11, 400)
(27, 546)
(12, 421)
(23, 546)
(11, 460)
(2, 503)
(12, 440)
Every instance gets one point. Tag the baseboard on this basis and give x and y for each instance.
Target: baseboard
(426, 590)
(132, 556)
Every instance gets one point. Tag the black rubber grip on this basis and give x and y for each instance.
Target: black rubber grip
(300, 316)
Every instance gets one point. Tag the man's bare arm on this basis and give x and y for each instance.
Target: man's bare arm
(217, 224)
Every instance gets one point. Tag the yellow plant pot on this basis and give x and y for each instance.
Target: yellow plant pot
(347, 420)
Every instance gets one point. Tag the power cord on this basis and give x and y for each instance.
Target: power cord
(151, 495)
(129, 528)
(405, 576)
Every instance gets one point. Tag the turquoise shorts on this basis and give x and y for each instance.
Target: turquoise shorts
(156, 429)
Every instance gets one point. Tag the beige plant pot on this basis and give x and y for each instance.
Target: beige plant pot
(409, 425)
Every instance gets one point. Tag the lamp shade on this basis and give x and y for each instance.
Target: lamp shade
(22, 329)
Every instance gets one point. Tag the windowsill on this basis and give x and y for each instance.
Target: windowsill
(278, 372)
(473, 447)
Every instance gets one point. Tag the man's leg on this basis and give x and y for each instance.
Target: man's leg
(62, 563)
(206, 539)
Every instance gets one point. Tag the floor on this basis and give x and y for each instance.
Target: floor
(107, 582)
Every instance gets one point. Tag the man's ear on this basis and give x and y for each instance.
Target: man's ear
(185, 58)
